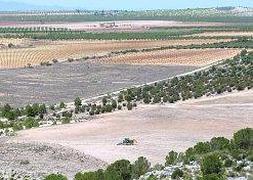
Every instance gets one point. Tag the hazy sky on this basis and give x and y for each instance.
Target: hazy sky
(139, 4)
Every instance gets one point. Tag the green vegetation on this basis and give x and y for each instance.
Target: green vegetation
(119, 170)
(55, 177)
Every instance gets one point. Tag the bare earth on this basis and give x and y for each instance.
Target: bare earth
(157, 128)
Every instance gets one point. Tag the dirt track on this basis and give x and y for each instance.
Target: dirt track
(157, 128)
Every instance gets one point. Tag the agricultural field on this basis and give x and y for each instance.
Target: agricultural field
(31, 52)
(222, 34)
(189, 57)
(51, 84)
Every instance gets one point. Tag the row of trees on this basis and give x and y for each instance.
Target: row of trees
(71, 35)
(233, 74)
(214, 158)
(24, 30)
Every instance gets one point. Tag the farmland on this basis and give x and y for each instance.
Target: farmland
(51, 84)
(190, 57)
(80, 89)
(37, 52)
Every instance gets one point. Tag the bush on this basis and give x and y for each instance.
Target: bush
(171, 159)
(219, 143)
(30, 123)
(122, 167)
(129, 106)
(177, 173)
(55, 177)
(62, 105)
(140, 167)
(243, 139)
(211, 164)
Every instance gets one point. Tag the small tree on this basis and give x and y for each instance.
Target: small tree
(177, 173)
(78, 102)
(62, 105)
(121, 167)
(171, 158)
(140, 167)
(211, 165)
(55, 177)
(243, 139)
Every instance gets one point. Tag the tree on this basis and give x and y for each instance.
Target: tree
(219, 143)
(171, 158)
(202, 148)
(29, 111)
(114, 104)
(86, 176)
(104, 101)
(55, 177)
(123, 168)
(30, 122)
(62, 105)
(177, 173)
(211, 165)
(243, 139)
(140, 167)
(78, 102)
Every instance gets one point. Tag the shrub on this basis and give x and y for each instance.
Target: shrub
(219, 143)
(177, 173)
(62, 105)
(122, 167)
(55, 177)
(202, 148)
(78, 102)
(30, 122)
(211, 164)
(171, 158)
(129, 106)
(243, 139)
(140, 167)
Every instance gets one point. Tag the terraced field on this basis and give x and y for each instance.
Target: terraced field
(190, 57)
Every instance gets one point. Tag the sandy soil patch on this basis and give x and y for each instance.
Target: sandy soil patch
(191, 57)
(157, 128)
(44, 51)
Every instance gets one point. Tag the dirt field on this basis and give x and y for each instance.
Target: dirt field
(114, 25)
(66, 81)
(190, 57)
(157, 128)
(43, 51)
(213, 34)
